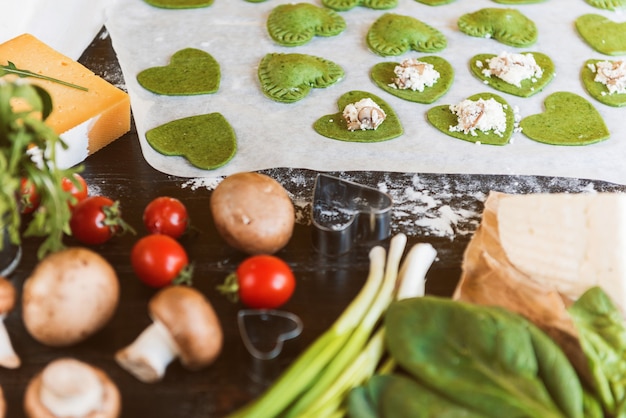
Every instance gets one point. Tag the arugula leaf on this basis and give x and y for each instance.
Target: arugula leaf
(28, 150)
(12, 69)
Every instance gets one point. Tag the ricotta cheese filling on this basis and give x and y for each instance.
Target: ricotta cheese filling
(364, 114)
(415, 75)
(513, 68)
(612, 74)
(483, 115)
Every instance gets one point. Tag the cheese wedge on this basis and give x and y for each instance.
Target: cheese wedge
(88, 120)
(567, 241)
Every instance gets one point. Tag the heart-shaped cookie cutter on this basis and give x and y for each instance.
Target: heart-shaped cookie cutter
(344, 212)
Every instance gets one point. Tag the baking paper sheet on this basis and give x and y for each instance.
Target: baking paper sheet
(272, 134)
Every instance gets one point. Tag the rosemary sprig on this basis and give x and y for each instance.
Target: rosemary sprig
(12, 69)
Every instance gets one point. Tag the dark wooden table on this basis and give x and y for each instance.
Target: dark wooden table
(325, 285)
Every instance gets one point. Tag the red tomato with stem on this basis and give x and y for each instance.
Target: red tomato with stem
(166, 215)
(29, 198)
(261, 282)
(77, 187)
(96, 219)
(159, 260)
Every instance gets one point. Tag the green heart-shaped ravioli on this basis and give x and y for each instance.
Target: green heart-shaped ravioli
(334, 126)
(383, 75)
(179, 4)
(518, 1)
(598, 90)
(442, 118)
(393, 34)
(602, 34)
(528, 87)
(608, 4)
(345, 5)
(568, 119)
(288, 78)
(206, 141)
(296, 24)
(435, 2)
(190, 71)
(507, 26)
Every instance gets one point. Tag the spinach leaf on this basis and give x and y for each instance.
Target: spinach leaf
(487, 359)
(602, 336)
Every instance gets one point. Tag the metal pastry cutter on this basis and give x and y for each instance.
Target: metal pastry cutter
(345, 212)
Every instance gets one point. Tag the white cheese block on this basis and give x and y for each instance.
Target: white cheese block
(568, 241)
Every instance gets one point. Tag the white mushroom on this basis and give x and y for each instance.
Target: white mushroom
(8, 358)
(69, 296)
(184, 325)
(71, 388)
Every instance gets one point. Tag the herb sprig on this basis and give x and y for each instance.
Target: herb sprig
(10, 68)
(28, 149)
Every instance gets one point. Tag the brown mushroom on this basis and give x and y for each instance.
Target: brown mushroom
(3, 406)
(184, 325)
(8, 358)
(71, 388)
(69, 296)
(253, 213)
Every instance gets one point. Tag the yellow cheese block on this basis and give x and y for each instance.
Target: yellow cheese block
(86, 120)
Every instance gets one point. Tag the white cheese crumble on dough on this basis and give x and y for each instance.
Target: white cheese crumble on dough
(415, 75)
(612, 74)
(483, 115)
(364, 114)
(513, 68)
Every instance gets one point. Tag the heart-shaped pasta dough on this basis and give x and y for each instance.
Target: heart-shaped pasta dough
(568, 119)
(442, 118)
(507, 26)
(393, 34)
(179, 4)
(527, 88)
(296, 24)
(334, 126)
(602, 34)
(190, 71)
(288, 78)
(206, 141)
(598, 90)
(383, 75)
(345, 5)
(608, 4)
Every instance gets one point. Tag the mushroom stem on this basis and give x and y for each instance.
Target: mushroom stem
(149, 355)
(70, 388)
(8, 358)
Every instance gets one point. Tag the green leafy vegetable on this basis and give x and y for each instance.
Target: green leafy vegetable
(602, 335)
(28, 150)
(10, 68)
(485, 359)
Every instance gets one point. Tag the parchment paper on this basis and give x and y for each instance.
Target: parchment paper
(273, 134)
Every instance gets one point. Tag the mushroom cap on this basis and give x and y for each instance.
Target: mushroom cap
(3, 406)
(253, 213)
(192, 323)
(69, 296)
(7, 296)
(111, 399)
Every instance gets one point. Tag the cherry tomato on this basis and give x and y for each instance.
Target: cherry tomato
(166, 215)
(77, 187)
(29, 198)
(96, 219)
(261, 282)
(159, 260)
